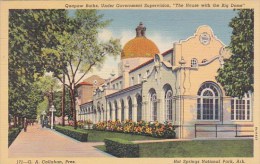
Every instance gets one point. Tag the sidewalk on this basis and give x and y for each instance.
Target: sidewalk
(43, 142)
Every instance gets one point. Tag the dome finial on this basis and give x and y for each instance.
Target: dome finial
(140, 30)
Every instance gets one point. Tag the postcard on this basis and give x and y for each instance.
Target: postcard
(129, 81)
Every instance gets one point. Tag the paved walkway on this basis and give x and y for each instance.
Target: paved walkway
(43, 142)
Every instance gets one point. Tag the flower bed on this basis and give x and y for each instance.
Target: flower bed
(154, 129)
(87, 124)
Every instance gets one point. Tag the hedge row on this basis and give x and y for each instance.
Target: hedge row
(12, 134)
(76, 134)
(121, 148)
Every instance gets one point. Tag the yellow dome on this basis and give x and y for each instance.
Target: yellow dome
(140, 46)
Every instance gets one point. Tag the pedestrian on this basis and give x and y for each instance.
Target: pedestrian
(42, 123)
(25, 125)
(46, 123)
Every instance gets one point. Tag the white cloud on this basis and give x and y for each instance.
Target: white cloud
(125, 36)
(164, 43)
(110, 64)
(105, 35)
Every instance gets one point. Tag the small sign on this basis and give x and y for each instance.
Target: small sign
(204, 38)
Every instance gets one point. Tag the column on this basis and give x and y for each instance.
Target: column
(106, 116)
(126, 113)
(113, 115)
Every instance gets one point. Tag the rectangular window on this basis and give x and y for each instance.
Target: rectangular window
(248, 110)
(207, 109)
(114, 87)
(169, 109)
(198, 109)
(232, 109)
(154, 117)
(216, 109)
(240, 109)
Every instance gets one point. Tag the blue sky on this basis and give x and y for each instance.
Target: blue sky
(164, 27)
(172, 24)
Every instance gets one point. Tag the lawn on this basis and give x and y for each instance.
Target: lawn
(99, 136)
(211, 148)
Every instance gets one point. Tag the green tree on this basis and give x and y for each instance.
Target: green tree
(58, 104)
(23, 103)
(237, 74)
(42, 106)
(80, 50)
(29, 32)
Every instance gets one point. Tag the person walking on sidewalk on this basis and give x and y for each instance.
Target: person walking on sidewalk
(25, 125)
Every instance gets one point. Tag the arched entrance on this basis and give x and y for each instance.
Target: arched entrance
(139, 107)
(116, 111)
(130, 106)
(122, 110)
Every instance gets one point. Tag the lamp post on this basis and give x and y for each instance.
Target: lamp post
(52, 109)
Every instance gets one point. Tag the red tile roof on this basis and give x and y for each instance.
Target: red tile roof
(83, 83)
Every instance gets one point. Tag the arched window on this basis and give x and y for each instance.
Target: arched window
(139, 108)
(95, 115)
(130, 109)
(122, 110)
(168, 105)
(194, 62)
(99, 111)
(153, 105)
(103, 114)
(99, 115)
(208, 102)
(116, 111)
(241, 108)
(110, 111)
